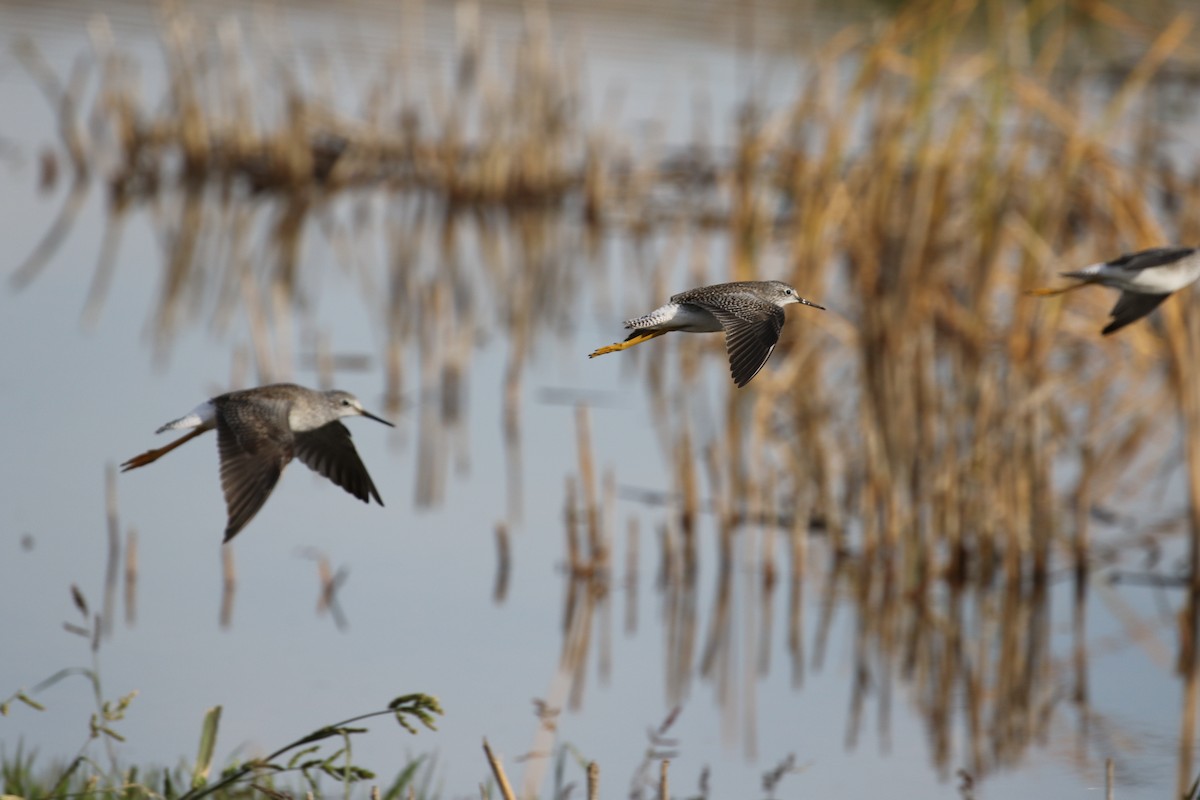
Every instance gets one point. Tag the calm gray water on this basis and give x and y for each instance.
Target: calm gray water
(83, 393)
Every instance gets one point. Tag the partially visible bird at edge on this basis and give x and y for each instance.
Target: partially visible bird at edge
(260, 430)
(750, 313)
(1146, 278)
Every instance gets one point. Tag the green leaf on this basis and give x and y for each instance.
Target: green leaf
(208, 743)
(29, 701)
(330, 759)
(67, 672)
(301, 754)
(351, 774)
(319, 734)
(66, 776)
(132, 789)
(404, 778)
(109, 732)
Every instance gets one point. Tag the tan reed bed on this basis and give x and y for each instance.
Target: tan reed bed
(949, 435)
(949, 397)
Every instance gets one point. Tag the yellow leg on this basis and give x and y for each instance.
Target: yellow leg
(150, 456)
(1049, 291)
(634, 338)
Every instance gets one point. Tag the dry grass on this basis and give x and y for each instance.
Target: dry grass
(952, 437)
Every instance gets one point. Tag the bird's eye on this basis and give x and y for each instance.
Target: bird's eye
(789, 291)
(345, 402)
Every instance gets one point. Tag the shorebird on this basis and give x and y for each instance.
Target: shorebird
(1145, 279)
(750, 313)
(260, 430)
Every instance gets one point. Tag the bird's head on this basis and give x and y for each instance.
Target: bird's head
(783, 294)
(347, 405)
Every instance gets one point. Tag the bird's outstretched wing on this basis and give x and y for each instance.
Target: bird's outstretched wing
(752, 327)
(247, 477)
(255, 444)
(1130, 307)
(329, 451)
(1152, 257)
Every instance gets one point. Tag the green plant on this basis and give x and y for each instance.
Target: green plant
(407, 710)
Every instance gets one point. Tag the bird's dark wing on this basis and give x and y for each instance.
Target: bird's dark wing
(329, 451)
(752, 328)
(250, 467)
(1153, 257)
(1130, 307)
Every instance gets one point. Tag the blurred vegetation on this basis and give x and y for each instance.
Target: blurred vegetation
(307, 760)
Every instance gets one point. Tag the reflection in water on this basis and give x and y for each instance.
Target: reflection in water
(503, 565)
(131, 576)
(947, 441)
(974, 660)
(330, 582)
(228, 586)
(660, 750)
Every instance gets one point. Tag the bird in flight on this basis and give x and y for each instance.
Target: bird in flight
(260, 430)
(750, 313)
(1145, 278)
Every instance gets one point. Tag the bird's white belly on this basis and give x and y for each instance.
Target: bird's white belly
(1161, 280)
(1155, 280)
(677, 317)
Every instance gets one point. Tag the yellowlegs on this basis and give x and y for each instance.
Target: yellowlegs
(260, 430)
(750, 313)
(1145, 279)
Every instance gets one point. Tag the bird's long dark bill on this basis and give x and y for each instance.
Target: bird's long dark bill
(804, 302)
(369, 415)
